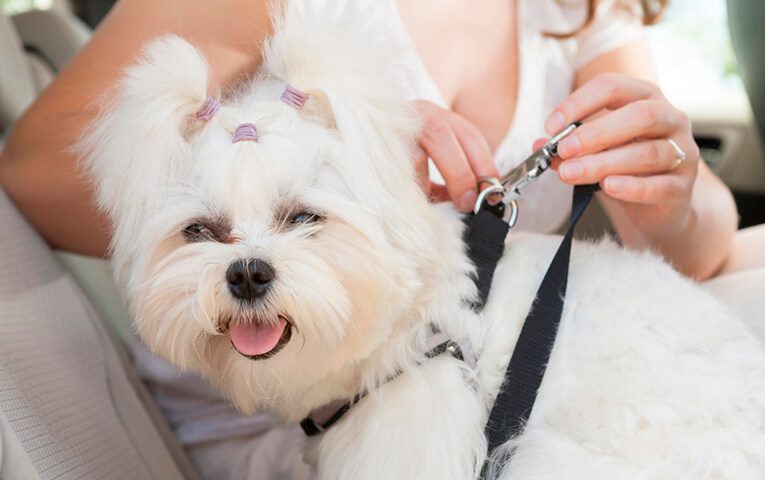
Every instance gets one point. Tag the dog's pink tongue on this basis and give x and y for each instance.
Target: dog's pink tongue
(255, 339)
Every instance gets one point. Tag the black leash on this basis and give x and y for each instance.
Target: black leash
(485, 241)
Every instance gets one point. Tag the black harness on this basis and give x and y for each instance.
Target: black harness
(319, 421)
(484, 237)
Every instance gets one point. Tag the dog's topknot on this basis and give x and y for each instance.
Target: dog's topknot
(335, 46)
(342, 53)
(171, 71)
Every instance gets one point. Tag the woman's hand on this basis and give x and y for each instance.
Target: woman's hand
(459, 152)
(626, 150)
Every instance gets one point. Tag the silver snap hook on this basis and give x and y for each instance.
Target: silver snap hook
(490, 186)
(493, 187)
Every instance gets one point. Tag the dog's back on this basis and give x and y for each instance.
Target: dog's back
(650, 376)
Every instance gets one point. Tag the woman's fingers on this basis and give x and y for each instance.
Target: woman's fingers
(474, 145)
(538, 143)
(640, 119)
(655, 189)
(438, 139)
(639, 158)
(606, 91)
(438, 193)
(458, 151)
(435, 191)
(420, 160)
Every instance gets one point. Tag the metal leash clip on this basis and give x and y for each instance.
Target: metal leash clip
(509, 188)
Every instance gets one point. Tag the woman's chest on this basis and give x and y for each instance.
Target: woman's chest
(470, 49)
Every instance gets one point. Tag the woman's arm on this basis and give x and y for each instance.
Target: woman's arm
(682, 211)
(37, 168)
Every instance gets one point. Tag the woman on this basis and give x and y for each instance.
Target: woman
(499, 76)
(488, 77)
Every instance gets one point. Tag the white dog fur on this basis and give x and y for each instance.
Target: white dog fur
(650, 377)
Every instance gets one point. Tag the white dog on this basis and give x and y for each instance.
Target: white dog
(282, 248)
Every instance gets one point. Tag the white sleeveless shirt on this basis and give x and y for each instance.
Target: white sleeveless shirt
(548, 66)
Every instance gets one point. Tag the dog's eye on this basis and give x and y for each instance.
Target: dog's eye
(305, 217)
(196, 232)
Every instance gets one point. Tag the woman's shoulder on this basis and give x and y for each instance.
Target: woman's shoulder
(564, 17)
(589, 28)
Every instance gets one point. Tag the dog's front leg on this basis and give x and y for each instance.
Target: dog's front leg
(426, 424)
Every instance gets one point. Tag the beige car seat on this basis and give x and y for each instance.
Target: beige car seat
(70, 408)
(34, 46)
(70, 405)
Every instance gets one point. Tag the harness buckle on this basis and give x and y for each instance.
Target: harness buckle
(488, 197)
(509, 188)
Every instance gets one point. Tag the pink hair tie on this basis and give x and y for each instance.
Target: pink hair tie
(246, 132)
(208, 109)
(294, 97)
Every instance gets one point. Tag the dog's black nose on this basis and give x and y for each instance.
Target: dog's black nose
(249, 279)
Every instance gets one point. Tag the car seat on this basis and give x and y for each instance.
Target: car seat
(71, 406)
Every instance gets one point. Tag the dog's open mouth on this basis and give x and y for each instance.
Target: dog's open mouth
(257, 340)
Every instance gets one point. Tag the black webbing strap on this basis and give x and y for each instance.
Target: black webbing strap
(485, 240)
(524, 373)
(312, 428)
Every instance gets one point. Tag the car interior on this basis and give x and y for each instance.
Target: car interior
(71, 405)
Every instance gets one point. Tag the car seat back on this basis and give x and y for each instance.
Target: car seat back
(69, 407)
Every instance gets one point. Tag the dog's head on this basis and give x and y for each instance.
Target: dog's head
(268, 246)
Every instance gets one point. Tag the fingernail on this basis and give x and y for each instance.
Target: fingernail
(569, 147)
(467, 201)
(555, 123)
(570, 171)
(616, 184)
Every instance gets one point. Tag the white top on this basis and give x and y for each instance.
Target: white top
(547, 68)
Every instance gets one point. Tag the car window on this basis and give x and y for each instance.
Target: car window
(17, 6)
(694, 55)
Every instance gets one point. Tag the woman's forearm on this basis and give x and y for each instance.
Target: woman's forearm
(697, 248)
(52, 195)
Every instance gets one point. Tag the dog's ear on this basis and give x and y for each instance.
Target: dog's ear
(138, 141)
(346, 56)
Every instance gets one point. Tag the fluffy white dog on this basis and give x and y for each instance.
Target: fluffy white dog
(282, 248)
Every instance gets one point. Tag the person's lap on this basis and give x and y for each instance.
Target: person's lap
(274, 454)
(741, 282)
